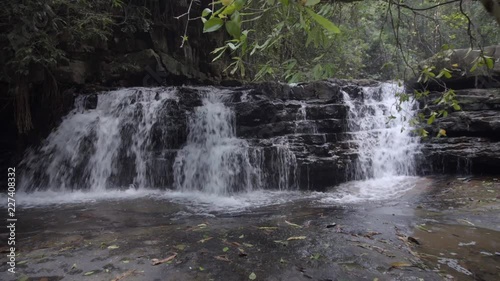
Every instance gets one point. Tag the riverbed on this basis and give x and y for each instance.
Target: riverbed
(442, 228)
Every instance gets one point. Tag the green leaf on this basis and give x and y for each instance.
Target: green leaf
(212, 25)
(88, 273)
(312, 2)
(236, 17)
(474, 66)
(325, 23)
(225, 249)
(252, 276)
(489, 62)
(206, 12)
(238, 4)
(233, 29)
(431, 118)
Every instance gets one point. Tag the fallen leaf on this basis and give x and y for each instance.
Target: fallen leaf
(400, 264)
(88, 273)
(222, 258)
(204, 240)
(296, 238)
(465, 221)
(421, 227)
(241, 236)
(124, 275)
(180, 247)
(315, 256)
(158, 261)
(252, 276)
(112, 247)
(201, 268)
(284, 243)
(242, 252)
(268, 227)
(293, 224)
(371, 234)
(225, 249)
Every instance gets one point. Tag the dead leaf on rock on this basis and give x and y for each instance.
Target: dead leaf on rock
(242, 252)
(124, 275)
(399, 264)
(284, 243)
(293, 224)
(180, 247)
(204, 240)
(158, 261)
(296, 238)
(222, 258)
(371, 234)
(271, 228)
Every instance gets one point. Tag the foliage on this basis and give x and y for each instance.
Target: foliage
(38, 35)
(292, 41)
(41, 33)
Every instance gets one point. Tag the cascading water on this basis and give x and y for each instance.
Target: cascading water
(93, 149)
(385, 146)
(185, 140)
(136, 139)
(301, 124)
(214, 160)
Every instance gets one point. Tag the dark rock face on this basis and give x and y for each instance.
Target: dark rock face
(472, 144)
(90, 102)
(309, 119)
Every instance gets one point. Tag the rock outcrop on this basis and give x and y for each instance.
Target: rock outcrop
(472, 144)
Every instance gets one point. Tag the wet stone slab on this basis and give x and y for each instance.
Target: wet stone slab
(418, 236)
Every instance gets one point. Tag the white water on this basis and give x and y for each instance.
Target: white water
(214, 160)
(83, 153)
(385, 166)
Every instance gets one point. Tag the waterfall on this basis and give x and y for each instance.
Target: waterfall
(94, 149)
(385, 144)
(185, 140)
(214, 160)
(136, 138)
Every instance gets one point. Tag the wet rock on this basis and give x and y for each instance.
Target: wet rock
(90, 102)
(170, 130)
(473, 135)
(189, 97)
